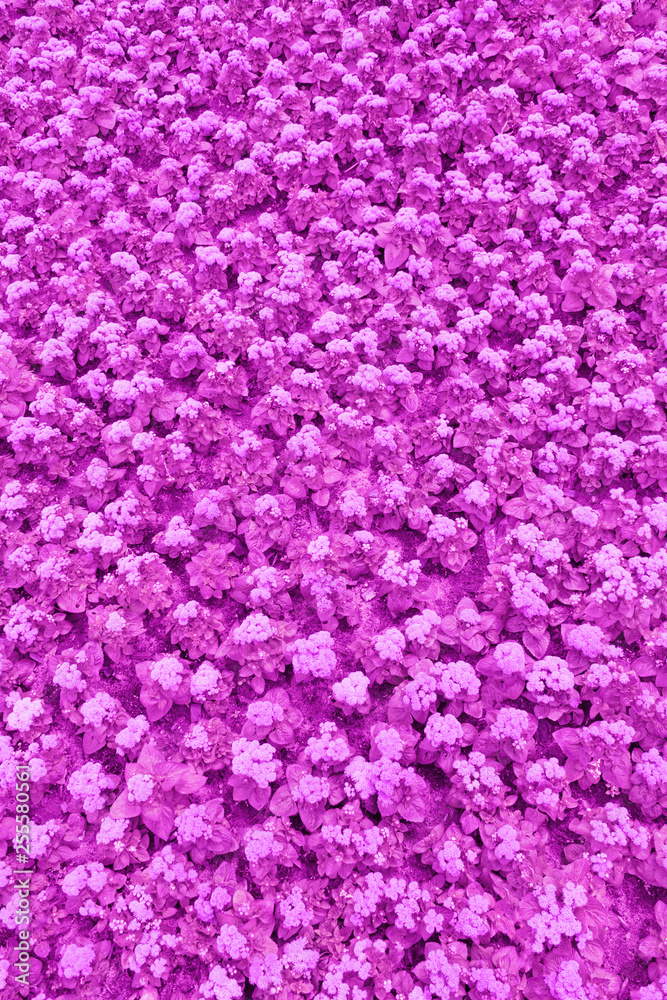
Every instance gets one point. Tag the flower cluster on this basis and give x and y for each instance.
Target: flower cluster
(333, 531)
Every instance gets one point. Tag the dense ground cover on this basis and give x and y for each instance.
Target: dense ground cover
(333, 450)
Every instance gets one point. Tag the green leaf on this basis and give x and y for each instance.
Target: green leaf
(159, 818)
(190, 782)
(536, 646)
(156, 705)
(619, 773)
(123, 809)
(394, 256)
(282, 803)
(150, 757)
(282, 735)
(321, 498)
(223, 842)
(568, 740)
(74, 601)
(413, 810)
(93, 740)
(259, 797)
(311, 815)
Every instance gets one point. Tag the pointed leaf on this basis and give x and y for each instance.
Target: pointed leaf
(74, 601)
(604, 295)
(190, 783)
(159, 818)
(282, 735)
(295, 772)
(572, 302)
(123, 809)
(321, 498)
(311, 815)
(150, 757)
(536, 645)
(395, 255)
(568, 740)
(156, 705)
(259, 797)
(93, 740)
(619, 772)
(413, 810)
